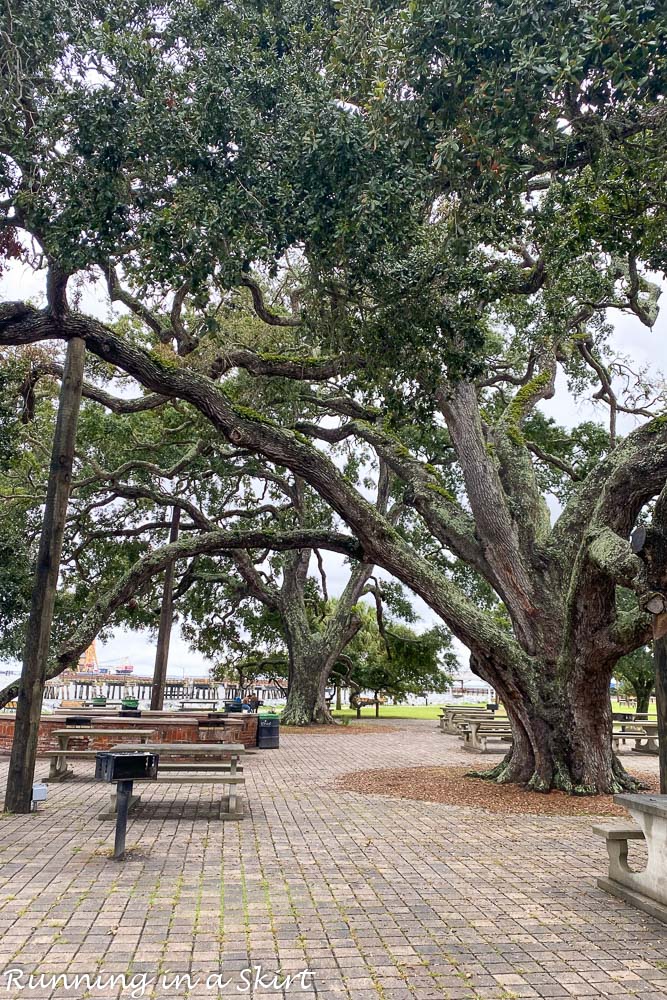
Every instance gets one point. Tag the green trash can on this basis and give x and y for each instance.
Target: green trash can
(268, 732)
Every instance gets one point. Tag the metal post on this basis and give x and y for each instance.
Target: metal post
(123, 796)
(651, 545)
(660, 657)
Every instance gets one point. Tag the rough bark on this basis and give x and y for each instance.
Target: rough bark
(306, 704)
(660, 654)
(18, 796)
(561, 734)
(313, 654)
(651, 546)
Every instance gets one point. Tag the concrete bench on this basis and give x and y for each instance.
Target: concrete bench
(485, 737)
(59, 769)
(644, 735)
(621, 734)
(616, 835)
(646, 889)
(453, 718)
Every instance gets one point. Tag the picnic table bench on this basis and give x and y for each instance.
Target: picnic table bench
(188, 703)
(451, 718)
(485, 736)
(643, 733)
(59, 769)
(173, 770)
(646, 889)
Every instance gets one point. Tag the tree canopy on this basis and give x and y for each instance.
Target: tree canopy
(433, 210)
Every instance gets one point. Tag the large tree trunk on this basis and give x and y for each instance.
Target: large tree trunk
(312, 655)
(308, 674)
(660, 654)
(562, 729)
(18, 796)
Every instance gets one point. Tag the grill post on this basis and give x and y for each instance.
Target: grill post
(123, 796)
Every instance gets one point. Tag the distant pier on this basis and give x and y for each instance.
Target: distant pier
(77, 686)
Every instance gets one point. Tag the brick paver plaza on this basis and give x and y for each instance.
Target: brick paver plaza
(378, 897)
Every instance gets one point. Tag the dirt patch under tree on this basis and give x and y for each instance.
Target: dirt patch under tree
(453, 786)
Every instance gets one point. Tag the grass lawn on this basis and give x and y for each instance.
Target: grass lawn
(433, 711)
(394, 712)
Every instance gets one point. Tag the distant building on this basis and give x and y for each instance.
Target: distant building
(88, 663)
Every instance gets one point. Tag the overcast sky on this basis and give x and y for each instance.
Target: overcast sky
(644, 347)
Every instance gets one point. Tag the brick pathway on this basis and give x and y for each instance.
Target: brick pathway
(379, 897)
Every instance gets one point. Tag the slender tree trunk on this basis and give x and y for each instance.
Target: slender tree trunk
(339, 704)
(166, 623)
(18, 796)
(643, 698)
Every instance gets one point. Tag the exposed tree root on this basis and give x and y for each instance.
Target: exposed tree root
(299, 714)
(505, 773)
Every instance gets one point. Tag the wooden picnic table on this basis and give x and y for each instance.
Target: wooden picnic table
(213, 770)
(59, 769)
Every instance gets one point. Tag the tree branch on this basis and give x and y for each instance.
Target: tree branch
(379, 541)
(155, 562)
(264, 313)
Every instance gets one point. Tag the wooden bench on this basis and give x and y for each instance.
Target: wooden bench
(365, 702)
(645, 889)
(199, 765)
(174, 768)
(59, 770)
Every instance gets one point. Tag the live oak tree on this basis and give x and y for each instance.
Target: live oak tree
(391, 660)
(312, 642)
(445, 201)
(129, 475)
(636, 674)
(135, 467)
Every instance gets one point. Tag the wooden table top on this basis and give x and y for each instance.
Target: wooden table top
(181, 749)
(95, 731)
